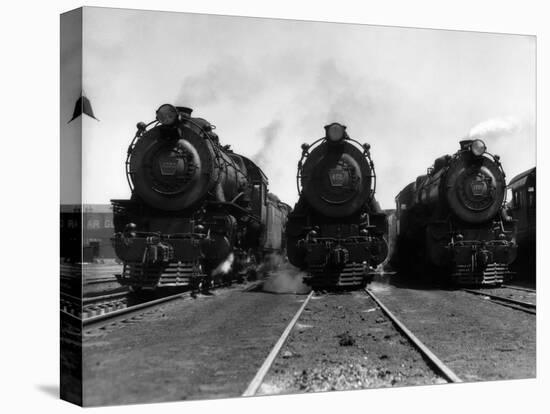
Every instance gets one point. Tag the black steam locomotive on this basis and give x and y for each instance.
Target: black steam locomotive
(199, 213)
(335, 232)
(452, 222)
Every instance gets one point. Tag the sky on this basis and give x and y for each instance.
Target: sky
(269, 85)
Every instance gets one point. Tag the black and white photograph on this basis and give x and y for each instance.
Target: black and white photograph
(255, 208)
(292, 206)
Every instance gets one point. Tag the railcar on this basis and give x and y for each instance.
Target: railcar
(451, 224)
(522, 206)
(198, 211)
(335, 231)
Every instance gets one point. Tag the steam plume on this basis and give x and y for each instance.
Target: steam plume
(227, 78)
(269, 137)
(282, 277)
(496, 128)
(225, 266)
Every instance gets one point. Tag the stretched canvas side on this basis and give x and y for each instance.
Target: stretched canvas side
(71, 252)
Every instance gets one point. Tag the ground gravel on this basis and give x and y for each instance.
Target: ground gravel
(343, 341)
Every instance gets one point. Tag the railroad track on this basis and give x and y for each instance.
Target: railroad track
(104, 309)
(97, 311)
(98, 305)
(256, 382)
(437, 365)
(520, 288)
(108, 279)
(92, 305)
(501, 300)
(100, 281)
(124, 313)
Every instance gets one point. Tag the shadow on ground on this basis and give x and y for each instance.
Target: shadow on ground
(49, 389)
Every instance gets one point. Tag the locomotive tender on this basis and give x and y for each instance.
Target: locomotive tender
(335, 232)
(453, 221)
(198, 212)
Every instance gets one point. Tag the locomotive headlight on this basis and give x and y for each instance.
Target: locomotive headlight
(167, 114)
(335, 132)
(130, 230)
(130, 227)
(478, 147)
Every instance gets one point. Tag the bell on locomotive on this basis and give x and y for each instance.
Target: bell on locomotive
(336, 231)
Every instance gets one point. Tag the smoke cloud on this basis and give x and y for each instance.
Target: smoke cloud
(226, 79)
(281, 277)
(270, 135)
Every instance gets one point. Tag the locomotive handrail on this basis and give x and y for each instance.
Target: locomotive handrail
(217, 148)
(366, 153)
(160, 235)
(322, 239)
(305, 153)
(130, 150)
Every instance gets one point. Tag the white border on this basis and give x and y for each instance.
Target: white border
(30, 188)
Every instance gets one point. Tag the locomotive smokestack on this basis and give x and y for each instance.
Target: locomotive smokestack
(465, 144)
(185, 110)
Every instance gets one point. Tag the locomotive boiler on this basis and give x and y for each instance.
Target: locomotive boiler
(198, 212)
(452, 222)
(335, 232)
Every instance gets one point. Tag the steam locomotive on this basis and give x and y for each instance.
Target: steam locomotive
(199, 213)
(452, 222)
(335, 232)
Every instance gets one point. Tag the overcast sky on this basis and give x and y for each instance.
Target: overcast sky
(269, 85)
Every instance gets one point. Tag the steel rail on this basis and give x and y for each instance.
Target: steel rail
(520, 288)
(521, 305)
(124, 313)
(98, 281)
(70, 298)
(91, 281)
(260, 375)
(90, 300)
(424, 350)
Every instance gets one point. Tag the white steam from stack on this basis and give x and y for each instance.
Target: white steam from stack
(495, 128)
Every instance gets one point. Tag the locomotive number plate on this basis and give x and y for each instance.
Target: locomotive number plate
(479, 188)
(168, 166)
(337, 177)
